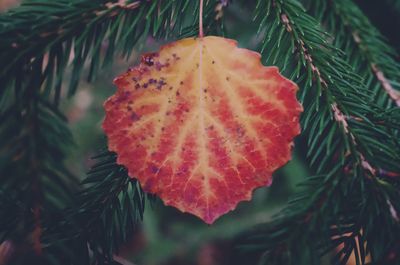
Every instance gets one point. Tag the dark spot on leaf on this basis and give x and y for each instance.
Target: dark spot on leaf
(154, 169)
(240, 131)
(161, 83)
(134, 116)
(159, 66)
(148, 58)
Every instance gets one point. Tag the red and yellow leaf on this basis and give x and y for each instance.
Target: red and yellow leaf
(202, 123)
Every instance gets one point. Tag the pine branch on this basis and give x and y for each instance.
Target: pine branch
(335, 105)
(366, 49)
(345, 135)
(34, 141)
(39, 40)
(75, 31)
(106, 214)
(331, 213)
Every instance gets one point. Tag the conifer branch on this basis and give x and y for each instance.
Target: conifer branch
(329, 83)
(338, 120)
(39, 39)
(366, 49)
(74, 31)
(32, 170)
(337, 113)
(105, 215)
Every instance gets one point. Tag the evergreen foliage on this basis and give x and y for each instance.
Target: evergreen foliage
(346, 138)
(348, 78)
(366, 49)
(104, 215)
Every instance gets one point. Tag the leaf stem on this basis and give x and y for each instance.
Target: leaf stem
(201, 34)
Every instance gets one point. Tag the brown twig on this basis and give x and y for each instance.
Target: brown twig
(307, 55)
(393, 94)
(123, 4)
(337, 113)
(219, 9)
(393, 211)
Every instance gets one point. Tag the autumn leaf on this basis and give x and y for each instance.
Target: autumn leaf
(202, 123)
